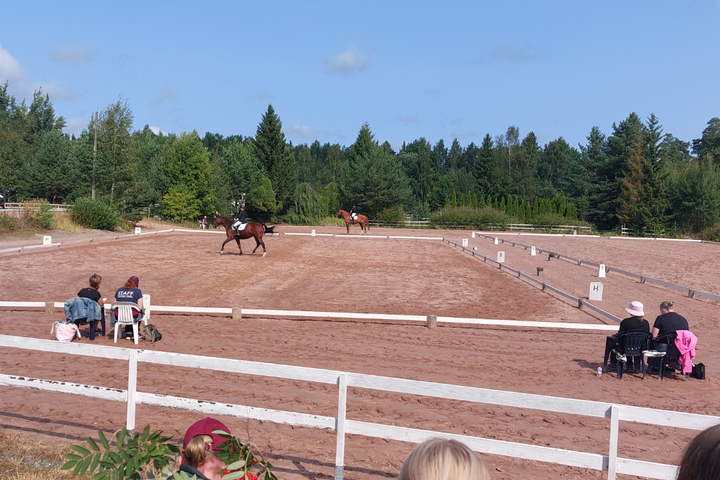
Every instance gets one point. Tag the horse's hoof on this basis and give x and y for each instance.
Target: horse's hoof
(264, 254)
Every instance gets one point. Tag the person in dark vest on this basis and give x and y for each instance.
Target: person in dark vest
(240, 220)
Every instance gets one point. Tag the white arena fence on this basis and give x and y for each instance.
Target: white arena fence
(641, 278)
(611, 462)
(581, 302)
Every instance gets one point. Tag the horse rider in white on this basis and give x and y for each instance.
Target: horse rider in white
(353, 214)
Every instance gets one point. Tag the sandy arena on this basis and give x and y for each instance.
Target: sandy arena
(365, 275)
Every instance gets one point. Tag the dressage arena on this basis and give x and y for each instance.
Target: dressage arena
(370, 275)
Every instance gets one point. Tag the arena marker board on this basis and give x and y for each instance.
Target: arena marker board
(596, 291)
(312, 233)
(138, 230)
(496, 240)
(601, 271)
(533, 251)
(473, 234)
(464, 242)
(501, 257)
(47, 240)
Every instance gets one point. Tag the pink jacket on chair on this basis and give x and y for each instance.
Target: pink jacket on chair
(685, 343)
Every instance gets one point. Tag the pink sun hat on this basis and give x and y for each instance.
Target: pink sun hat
(635, 309)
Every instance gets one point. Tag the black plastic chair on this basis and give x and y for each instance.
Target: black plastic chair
(672, 354)
(631, 344)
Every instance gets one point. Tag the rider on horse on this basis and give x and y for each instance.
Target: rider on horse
(240, 220)
(3, 194)
(353, 214)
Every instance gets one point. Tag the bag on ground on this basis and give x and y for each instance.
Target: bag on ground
(151, 333)
(698, 371)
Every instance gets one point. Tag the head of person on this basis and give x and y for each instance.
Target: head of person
(636, 309)
(95, 281)
(667, 306)
(701, 460)
(132, 282)
(441, 459)
(200, 447)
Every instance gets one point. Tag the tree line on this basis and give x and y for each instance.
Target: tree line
(635, 175)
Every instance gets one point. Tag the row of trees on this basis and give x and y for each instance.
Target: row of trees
(636, 175)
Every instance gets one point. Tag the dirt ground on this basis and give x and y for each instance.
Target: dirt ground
(366, 275)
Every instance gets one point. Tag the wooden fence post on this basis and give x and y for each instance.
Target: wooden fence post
(49, 307)
(237, 313)
(432, 321)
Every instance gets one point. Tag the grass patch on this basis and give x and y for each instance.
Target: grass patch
(24, 459)
(62, 222)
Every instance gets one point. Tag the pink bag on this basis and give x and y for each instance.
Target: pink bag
(65, 332)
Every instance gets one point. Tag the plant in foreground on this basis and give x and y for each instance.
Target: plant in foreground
(151, 456)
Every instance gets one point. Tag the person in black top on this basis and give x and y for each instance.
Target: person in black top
(353, 214)
(93, 293)
(240, 219)
(669, 321)
(633, 323)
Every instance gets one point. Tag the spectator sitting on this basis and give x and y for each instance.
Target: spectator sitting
(93, 293)
(440, 459)
(701, 460)
(199, 453)
(667, 323)
(129, 293)
(635, 322)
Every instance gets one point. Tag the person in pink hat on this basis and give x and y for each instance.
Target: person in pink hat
(636, 321)
(199, 452)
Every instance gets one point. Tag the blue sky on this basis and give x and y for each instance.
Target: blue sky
(453, 69)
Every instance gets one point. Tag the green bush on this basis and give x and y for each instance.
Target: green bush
(394, 214)
(94, 214)
(711, 234)
(36, 214)
(6, 223)
(469, 217)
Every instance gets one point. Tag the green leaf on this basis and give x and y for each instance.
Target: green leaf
(121, 436)
(80, 450)
(94, 463)
(236, 465)
(72, 456)
(234, 475)
(68, 465)
(93, 445)
(103, 440)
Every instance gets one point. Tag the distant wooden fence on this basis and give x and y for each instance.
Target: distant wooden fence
(611, 462)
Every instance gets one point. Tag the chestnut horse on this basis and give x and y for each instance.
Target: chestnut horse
(252, 229)
(361, 220)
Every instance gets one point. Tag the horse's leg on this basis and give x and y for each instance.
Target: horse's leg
(237, 240)
(347, 224)
(223, 245)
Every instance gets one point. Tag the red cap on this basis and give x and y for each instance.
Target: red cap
(206, 427)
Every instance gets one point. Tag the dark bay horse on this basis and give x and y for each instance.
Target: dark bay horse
(362, 220)
(252, 229)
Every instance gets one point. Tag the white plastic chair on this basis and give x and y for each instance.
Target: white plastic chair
(125, 317)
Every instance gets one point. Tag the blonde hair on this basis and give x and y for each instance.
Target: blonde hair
(667, 305)
(440, 459)
(196, 453)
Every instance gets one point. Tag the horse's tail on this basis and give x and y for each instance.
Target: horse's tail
(269, 230)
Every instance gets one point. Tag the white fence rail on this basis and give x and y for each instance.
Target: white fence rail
(616, 413)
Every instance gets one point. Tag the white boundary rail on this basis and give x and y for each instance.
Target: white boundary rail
(611, 462)
(337, 315)
(643, 279)
(581, 302)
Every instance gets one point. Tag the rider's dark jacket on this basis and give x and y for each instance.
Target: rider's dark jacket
(241, 216)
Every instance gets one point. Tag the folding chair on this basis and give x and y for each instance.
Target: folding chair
(125, 317)
(631, 344)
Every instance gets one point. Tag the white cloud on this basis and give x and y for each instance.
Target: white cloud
(459, 130)
(349, 62)
(76, 125)
(303, 131)
(512, 53)
(168, 92)
(156, 130)
(263, 97)
(411, 118)
(72, 54)
(10, 70)
(57, 92)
